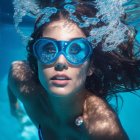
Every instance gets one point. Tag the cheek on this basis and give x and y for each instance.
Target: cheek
(43, 75)
(82, 74)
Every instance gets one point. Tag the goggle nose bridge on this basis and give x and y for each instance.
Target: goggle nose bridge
(62, 45)
(61, 51)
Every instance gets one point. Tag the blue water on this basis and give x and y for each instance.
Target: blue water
(12, 48)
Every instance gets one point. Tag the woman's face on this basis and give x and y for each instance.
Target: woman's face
(70, 80)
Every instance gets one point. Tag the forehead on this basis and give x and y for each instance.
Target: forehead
(63, 30)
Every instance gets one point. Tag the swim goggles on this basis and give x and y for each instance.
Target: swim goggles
(76, 51)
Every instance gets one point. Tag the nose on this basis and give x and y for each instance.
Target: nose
(61, 63)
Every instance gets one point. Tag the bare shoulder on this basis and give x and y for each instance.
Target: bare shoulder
(97, 103)
(101, 120)
(20, 71)
(99, 108)
(21, 79)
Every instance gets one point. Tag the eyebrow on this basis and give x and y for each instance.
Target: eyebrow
(75, 38)
(65, 40)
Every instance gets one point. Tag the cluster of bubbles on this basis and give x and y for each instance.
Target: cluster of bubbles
(114, 31)
(86, 20)
(109, 12)
(46, 14)
(21, 9)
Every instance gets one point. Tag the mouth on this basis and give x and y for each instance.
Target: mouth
(60, 80)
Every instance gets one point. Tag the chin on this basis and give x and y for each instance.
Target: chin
(60, 92)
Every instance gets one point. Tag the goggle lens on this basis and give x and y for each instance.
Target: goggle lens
(76, 51)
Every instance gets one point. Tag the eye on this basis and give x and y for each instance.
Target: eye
(49, 48)
(74, 49)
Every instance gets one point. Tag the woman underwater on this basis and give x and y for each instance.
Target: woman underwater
(66, 81)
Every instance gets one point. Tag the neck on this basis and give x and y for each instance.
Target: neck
(68, 107)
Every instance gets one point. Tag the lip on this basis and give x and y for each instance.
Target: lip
(60, 75)
(60, 80)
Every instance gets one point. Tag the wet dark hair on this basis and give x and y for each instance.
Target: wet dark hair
(114, 71)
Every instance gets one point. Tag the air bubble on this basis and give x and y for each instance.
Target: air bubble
(70, 8)
(113, 32)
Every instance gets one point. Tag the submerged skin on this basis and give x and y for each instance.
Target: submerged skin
(56, 106)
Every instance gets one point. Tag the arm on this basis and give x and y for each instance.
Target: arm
(15, 107)
(13, 89)
(101, 121)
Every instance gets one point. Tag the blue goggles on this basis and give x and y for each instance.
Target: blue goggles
(76, 51)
